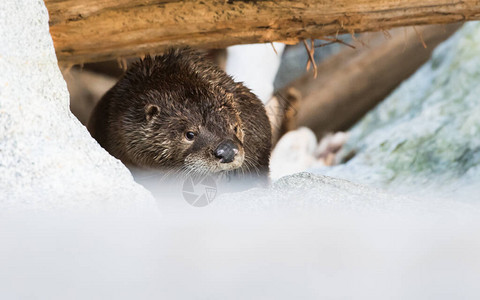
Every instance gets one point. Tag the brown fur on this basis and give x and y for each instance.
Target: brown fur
(143, 119)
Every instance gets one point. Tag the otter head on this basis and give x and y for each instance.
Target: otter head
(192, 130)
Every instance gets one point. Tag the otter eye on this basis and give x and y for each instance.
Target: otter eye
(236, 129)
(189, 135)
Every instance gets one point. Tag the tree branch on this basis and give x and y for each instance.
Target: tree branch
(91, 30)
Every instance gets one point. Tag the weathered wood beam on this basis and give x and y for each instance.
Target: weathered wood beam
(91, 30)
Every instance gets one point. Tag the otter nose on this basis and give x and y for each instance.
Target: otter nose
(226, 151)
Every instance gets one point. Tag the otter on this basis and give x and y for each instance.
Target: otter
(179, 112)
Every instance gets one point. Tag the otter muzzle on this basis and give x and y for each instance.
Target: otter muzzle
(226, 151)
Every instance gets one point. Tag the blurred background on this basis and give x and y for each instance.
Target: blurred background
(352, 74)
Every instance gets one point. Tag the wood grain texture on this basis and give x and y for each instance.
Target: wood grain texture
(91, 30)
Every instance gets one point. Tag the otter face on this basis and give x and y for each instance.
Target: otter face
(212, 153)
(194, 135)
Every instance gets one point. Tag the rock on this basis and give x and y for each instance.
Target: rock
(297, 151)
(304, 191)
(293, 153)
(307, 192)
(424, 136)
(47, 158)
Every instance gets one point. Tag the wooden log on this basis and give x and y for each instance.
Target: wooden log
(352, 82)
(91, 30)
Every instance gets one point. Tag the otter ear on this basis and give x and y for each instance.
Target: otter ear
(151, 110)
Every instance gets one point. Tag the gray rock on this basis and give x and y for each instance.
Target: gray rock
(307, 192)
(425, 136)
(47, 158)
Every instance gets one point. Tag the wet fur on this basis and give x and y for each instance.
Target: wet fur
(142, 120)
